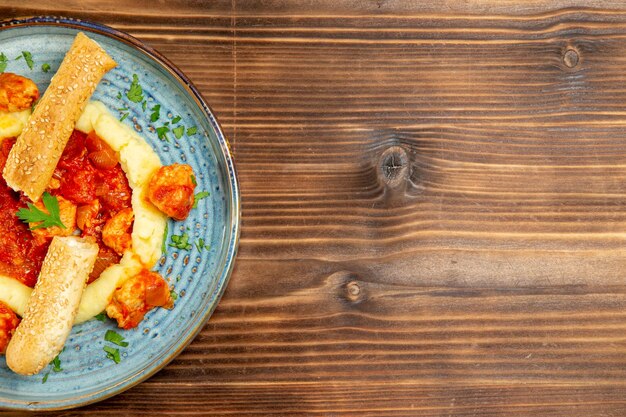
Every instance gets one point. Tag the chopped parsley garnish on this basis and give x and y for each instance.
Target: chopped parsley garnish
(179, 131)
(101, 317)
(115, 338)
(173, 295)
(119, 95)
(34, 215)
(112, 353)
(28, 58)
(135, 92)
(192, 131)
(193, 180)
(163, 245)
(176, 120)
(45, 67)
(144, 104)
(156, 113)
(180, 242)
(4, 61)
(200, 196)
(124, 116)
(56, 364)
(162, 132)
(122, 109)
(200, 245)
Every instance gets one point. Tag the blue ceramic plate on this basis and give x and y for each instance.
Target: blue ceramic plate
(198, 275)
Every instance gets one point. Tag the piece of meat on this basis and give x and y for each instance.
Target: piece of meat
(171, 190)
(88, 218)
(138, 295)
(17, 92)
(8, 323)
(113, 190)
(116, 231)
(77, 177)
(67, 212)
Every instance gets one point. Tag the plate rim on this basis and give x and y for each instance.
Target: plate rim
(234, 205)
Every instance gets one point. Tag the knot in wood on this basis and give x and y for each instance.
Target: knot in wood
(570, 58)
(394, 166)
(353, 288)
(353, 291)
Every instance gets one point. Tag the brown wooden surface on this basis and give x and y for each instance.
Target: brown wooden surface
(434, 206)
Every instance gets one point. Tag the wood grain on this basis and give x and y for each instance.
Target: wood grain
(434, 206)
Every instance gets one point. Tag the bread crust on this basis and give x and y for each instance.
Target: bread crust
(53, 304)
(35, 155)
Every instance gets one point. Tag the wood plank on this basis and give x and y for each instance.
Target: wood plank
(501, 170)
(400, 399)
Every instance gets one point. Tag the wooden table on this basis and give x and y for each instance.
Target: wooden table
(434, 206)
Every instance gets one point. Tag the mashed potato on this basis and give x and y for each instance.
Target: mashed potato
(11, 124)
(139, 162)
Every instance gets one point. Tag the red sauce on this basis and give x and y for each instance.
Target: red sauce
(81, 182)
(20, 256)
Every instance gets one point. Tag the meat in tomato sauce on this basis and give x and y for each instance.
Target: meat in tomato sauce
(89, 183)
(84, 178)
(136, 296)
(90, 176)
(16, 92)
(21, 256)
(8, 324)
(171, 190)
